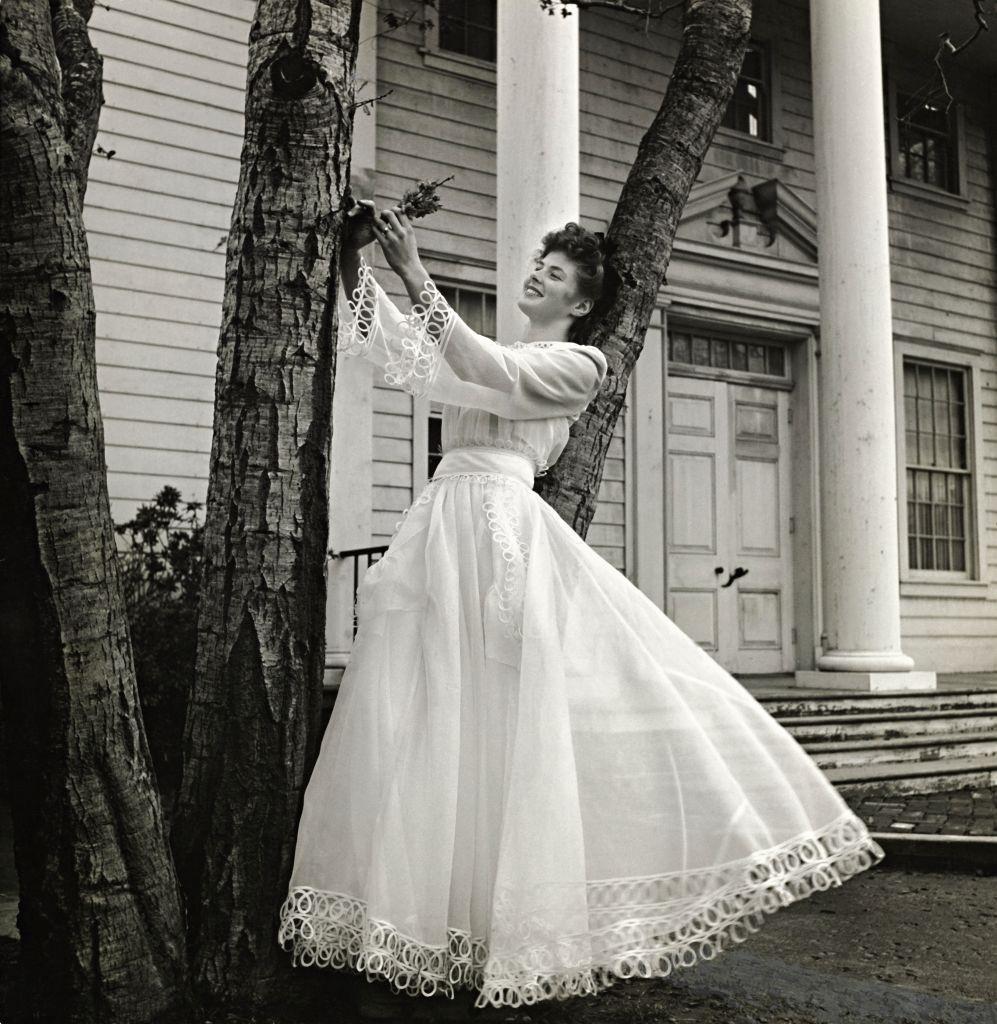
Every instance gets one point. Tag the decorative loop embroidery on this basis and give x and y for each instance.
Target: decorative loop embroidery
(503, 522)
(645, 926)
(423, 337)
(356, 337)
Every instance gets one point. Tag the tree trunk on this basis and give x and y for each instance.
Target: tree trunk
(100, 916)
(640, 237)
(252, 724)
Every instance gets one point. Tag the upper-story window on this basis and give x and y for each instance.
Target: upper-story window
(927, 150)
(749, 110)
(468, 27)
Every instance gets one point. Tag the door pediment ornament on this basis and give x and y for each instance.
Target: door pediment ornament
(737, 211)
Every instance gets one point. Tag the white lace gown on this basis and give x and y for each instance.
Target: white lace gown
(533, 783)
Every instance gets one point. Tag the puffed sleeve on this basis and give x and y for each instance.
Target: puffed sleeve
(431, 351)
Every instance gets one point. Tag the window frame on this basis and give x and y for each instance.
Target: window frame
(944, 582)
(773, 147)
(461, 64)
(765, 107)
(896, 82)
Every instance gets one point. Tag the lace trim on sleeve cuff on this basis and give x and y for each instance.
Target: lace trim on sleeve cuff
(424, 335)
(357, 336)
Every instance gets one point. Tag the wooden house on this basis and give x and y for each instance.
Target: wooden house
(731, 424)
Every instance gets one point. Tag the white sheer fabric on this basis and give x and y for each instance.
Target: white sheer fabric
(533, 782)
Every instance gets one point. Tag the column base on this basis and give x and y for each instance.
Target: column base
(868, 682)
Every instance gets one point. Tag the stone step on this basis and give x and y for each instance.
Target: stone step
(817, 703)
(913, 777)
(937, 749)
(888, 725)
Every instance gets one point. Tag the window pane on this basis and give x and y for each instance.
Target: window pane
(752, 66)
(480, 42)
(481, 12)
(720, 353)
(490, 328)
(941, 521)
(941, 554)
(452, 35)
(943, 450)
(681, 348)
(468, 27)
(927, 553)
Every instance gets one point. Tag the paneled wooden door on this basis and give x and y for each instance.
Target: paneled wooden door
(728, 513)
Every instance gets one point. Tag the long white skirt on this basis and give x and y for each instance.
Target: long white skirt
(533, 782)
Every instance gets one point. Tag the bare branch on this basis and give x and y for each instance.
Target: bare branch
(364, 104)
(936, 90)
(395, 21)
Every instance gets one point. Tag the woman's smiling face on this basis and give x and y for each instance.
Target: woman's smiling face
(550, 290)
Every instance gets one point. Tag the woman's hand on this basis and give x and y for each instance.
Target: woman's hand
(396, 236)
(359, 230)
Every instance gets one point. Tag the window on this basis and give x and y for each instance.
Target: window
(937, 465)
(749, 110)
(468, 27)
(435, 446)
(477, 309)
(474, 306)
(925, 137)
(727, 354)
(926, 143)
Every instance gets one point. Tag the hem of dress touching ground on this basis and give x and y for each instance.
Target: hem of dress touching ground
(331, 929)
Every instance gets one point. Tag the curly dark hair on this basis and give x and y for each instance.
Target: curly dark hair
(586, 249)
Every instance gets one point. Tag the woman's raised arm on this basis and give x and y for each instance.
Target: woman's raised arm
(432, 351)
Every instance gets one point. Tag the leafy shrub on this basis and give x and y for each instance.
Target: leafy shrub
(160, 572)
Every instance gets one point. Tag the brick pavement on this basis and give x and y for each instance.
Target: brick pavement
(971, 811)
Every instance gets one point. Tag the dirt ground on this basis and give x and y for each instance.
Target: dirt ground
(892, 945)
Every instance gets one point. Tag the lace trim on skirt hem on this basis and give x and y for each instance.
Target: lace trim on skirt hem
(644, 939)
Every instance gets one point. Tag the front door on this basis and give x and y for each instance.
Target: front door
(729, 566)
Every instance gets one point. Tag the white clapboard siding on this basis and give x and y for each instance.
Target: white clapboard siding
(156, 211)
(943, 294)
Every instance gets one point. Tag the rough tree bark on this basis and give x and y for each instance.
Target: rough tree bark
(100, 916)
(640, 236)
(252, 724)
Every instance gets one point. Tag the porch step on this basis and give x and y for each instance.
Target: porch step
(822, 703)
(886, 725)
(922, 748)
(914, 777)
(894, 742)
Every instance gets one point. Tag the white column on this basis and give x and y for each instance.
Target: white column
(858, 492)
(537, 144)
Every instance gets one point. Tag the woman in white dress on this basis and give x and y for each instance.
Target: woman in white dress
(533, 783)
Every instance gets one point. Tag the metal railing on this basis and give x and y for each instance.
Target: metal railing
(356, 554)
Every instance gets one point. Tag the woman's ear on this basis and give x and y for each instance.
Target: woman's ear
(583, 307)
